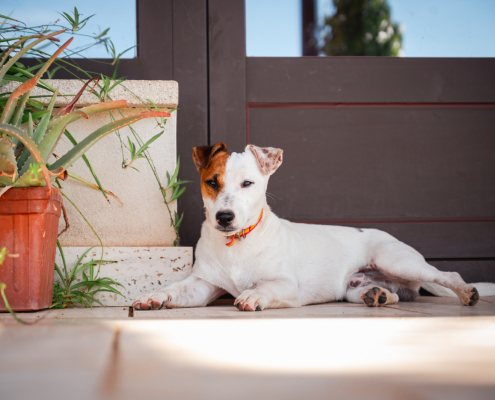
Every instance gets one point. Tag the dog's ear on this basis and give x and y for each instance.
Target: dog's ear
(268, 158)
(202, 155)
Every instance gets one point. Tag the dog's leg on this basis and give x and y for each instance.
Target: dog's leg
(396, 259)
(191, 292)
(269, 294)
(371, 295)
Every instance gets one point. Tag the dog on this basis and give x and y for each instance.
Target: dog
(268, 262)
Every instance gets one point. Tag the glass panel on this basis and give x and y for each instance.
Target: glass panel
(419, 28)
(119, 16)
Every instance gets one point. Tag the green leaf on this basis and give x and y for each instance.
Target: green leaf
(132, 148)
(179, 183)
(59, 272)
(177, 195)
(63, 259)
(35, 115)
(74, 269)
(176, 172)
(145, 146)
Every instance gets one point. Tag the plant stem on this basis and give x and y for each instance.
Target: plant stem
(82, 215)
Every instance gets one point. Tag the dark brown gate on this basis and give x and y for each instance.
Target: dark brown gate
(403, 145)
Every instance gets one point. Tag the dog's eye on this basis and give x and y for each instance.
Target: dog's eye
(247, 183)
(211, 183)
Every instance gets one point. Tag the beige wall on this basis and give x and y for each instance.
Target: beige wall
(142, 219)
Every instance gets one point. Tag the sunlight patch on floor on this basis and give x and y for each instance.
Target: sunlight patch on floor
(422, 347)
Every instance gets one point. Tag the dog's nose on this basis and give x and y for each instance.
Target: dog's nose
(225, 218)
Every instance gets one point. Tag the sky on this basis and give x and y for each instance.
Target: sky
(431, 28)
(118, 15)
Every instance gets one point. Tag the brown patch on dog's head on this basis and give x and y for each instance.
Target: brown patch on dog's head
(210, 162)
(269, 158)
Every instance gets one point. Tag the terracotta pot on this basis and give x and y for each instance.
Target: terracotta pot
(28, 227)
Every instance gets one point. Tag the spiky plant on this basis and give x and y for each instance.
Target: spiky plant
(23, 155)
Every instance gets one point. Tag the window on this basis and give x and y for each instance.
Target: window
(420, 28)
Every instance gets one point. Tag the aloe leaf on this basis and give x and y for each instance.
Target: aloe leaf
(54, 56)
(5, 182)
(19, 54)
(8, 112)
(29, 180)
(88, 164)
(57, 126)
(37, 136)
(19, 110)
(93, 109)
(6, 167)
(7, 172)
(20, 135)
(19, 91)
(69, 107)
(83, 146)
(41, 129)
(6, 53)
(7, 149)
(30, 125)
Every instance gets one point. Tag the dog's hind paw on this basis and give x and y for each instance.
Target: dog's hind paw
(469, 295)
(378, 297)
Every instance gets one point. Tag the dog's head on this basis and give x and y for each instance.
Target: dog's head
(234, 185)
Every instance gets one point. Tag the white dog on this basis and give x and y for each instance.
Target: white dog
(268, 262)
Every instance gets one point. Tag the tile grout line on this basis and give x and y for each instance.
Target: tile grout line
(109, 384)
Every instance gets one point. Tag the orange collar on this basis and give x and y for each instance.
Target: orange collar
(244, 232)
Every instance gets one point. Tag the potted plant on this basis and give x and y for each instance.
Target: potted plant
(29, 206)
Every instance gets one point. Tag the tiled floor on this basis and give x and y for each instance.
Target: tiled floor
(431, 348)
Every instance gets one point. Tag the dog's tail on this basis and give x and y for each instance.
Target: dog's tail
(484, 289)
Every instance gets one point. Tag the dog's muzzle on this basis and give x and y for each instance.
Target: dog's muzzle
(225, 218)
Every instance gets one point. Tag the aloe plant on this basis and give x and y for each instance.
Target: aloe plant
(23, 154)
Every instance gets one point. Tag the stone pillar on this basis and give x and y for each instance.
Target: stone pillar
(135, 228)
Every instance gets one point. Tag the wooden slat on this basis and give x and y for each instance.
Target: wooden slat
(370, 80)
(190, 38)
(155, 32)
(368, 164)
(227, 51)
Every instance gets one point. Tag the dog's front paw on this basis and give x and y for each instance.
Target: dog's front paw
(251, 300)
(155, 301)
